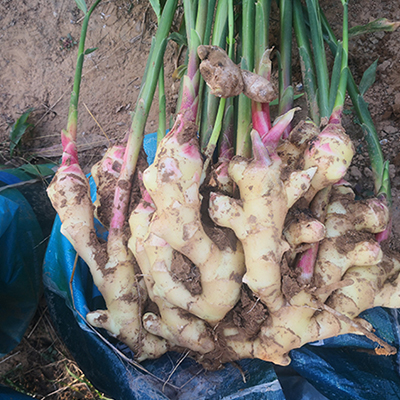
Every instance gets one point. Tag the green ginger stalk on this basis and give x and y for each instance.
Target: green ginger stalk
(112, 268)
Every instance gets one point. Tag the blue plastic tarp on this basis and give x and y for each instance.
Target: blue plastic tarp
(26, 217)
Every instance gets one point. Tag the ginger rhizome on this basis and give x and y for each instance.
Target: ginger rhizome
(248, 257)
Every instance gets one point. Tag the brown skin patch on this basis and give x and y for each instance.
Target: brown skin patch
(101, 256)
(124, 184)
(298, 214)
(106, 189)
(80, 189)
(116, 166)
(257, 87)
(226, 79)
(166, 176)
(102, 318)
(285, 172)
(137, 184)
(249, 314)
(236, 277)
(128, 298)
(189, 134)
(105, 194)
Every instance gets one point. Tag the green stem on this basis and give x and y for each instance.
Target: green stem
(262, 12)
(260, 113)
(340, 97)
(231, 33)
(319, 56)
(202, 20)
(335, 77)
(162, 114)
(307, 66)
(73, 105)
(191, 80)
(151, 76)
(209, 21)
(146, 94)
(211, 102)
(212, 144)
(243, 141)
(190, 17)
(203, 88)
(285, 73)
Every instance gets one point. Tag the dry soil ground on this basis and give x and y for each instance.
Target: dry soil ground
(37, 61)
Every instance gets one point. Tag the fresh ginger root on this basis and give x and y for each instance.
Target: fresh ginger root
(259, 216)
(112, 268)
(173, 324)
(173, 182)
(350, 272)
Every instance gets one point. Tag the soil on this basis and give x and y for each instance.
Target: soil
(37, 62)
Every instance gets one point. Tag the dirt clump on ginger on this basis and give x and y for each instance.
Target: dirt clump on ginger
(247, 317)
(105, 207)
(183, 270)
(249, 314)
(291, 284)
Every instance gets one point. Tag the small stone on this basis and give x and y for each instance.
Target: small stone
(387, 114)
(380, 35)
(396, 106)
(390, 129)
(368, 172)
(396, 181)
(355, 172)
(392, 171)
(382, 67)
